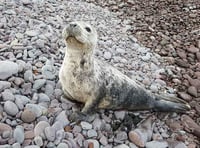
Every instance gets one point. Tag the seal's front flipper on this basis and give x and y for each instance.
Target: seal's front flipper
(170, 104)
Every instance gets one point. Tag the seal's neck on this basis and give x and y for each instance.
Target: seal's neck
(80, 58)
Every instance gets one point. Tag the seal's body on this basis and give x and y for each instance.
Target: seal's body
(101, 86)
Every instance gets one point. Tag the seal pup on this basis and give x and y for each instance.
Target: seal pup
(98, 85)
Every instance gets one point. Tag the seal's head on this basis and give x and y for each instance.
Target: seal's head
(80, 36)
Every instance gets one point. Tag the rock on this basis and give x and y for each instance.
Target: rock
(28, 76)
(43, 98)
(122, 146)
(121, 136)
(182, 63)
(62, 145)
(103, 140)
(97, 124)
(154, 87)
(62, 118)
(21, 101)
(40, 127)
(50, 133)
(38, 141)
(7, 95)
(38, 110)
(107, 55)
(32, 33)
(6, 134)
(49, 71)
(32, 146)
(19, 134)
(193, 91)
(120, 115)
(28, 116)
(91, 133)
(18, 81)
(198, 56)
(86, 125)
(143, 133)
(11, 108)
(39, 83)
(181, 54)
(5, 146)
(147, 57)
(26, 2)
(185, 96)
(192, 49)
(29, 134)
(4, 127)
(16, 145)
(157, 144)
(7, 69)
(95, 143)
(40, 43)
(4, 85)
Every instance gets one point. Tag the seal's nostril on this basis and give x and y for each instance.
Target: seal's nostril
(73, 25)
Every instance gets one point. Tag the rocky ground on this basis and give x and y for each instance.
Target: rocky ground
(33, 112)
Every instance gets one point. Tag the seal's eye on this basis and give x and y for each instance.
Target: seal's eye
(87, 29)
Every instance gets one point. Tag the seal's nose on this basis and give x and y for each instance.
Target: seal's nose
(72, 25)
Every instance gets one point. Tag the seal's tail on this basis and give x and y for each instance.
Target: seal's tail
(170, 104)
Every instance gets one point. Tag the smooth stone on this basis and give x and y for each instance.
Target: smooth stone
(122, 146)
(121, 136)
(16, 145)
(38, 141)
(28, 116)
(62, 117)
(62, 145)
(11, 108)
(50, 133)
(147, 57)
(31, 33)
(97, 124)
(19, 134)
(7, 69)
(7, 95)
(48, 70)
(4, 85)
(38, 110)
(103, 140)
(28, 76)
(86, 125)
(5, 146)
(120, 115)
(6, 134)
(154, 87)
(29, 134)
(185, 96)
(32, 146)
(4, 127)
(94, 142)
(91, 133)
(43, 98)
(193, 91)
(58, 125)
(39, 83)
(18, 81)
(40, 127)
(157, 144)
(21, 101)
(107, 55)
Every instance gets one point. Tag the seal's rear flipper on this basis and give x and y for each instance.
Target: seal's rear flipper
(170, 104)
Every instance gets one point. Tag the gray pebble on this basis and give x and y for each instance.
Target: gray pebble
(21, 101)
(39, 83)
(32, 146)
(147, 57)
(4, 85)
(11, 108)
(38, 141)
(16, 145)
(120, 115)
(43, 98)
(5, 146)
(28, 76)
(95, 143)
(19, 134)
(107, 55)
(157, 144)
(6, 134)
(122, 146)
(7, 95)
(62, 145)
(103, 140)
(154, 87)
(32, 33)
(62, 118)
(28, 116)
(39, 128)
(50, 133)
(121, 136)
(91, 133)
(86, 125)
(38, 110)
(7, 69)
